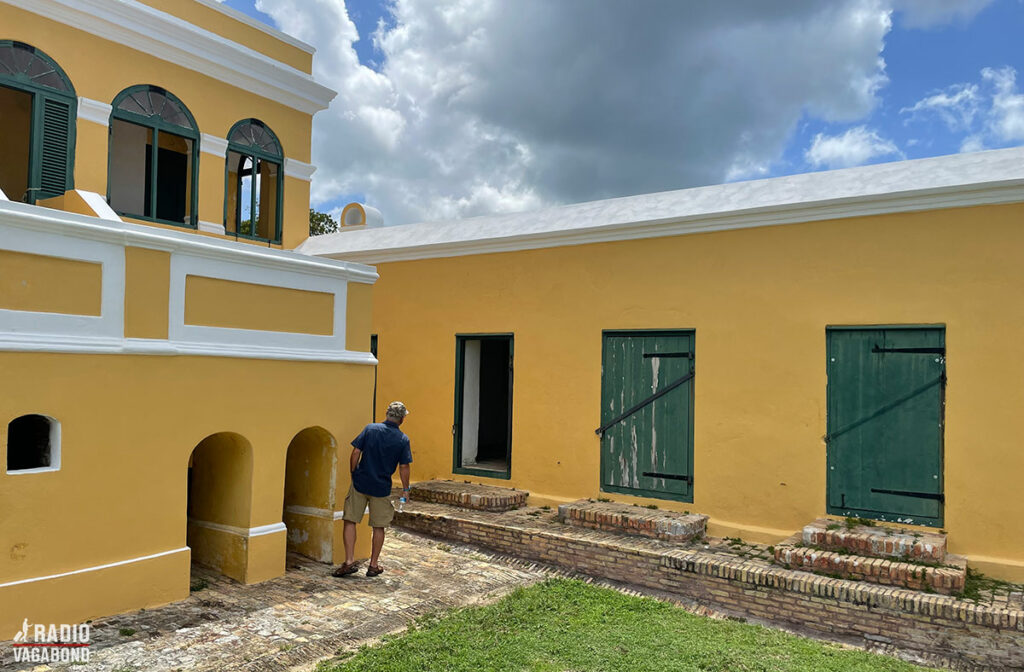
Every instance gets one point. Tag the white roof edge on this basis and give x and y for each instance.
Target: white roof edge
(223, 8)
(39, 218)
(958, 180)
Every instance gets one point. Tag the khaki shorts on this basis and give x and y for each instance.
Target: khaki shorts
(381, 510)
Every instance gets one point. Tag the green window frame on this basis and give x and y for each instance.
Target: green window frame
(159, 111)
(53, 116)
(252, 140)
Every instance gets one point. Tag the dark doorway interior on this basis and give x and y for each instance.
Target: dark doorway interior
(483, 436)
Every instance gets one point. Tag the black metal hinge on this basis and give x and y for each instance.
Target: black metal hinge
(666, 355)
(671, 477)
(939, 497)
(911, 351)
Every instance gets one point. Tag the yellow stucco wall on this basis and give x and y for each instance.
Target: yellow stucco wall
(121, 491)
(359, 316)
(254, 38)
(214, 302)
(89, 62)
(47, 284)
(759, 300)
(148, 273)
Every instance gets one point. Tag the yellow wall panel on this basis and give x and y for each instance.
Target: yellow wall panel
(359, 318)
(213, 302)
(49, 284)
(91, 147)
(147, 284)
(295, 217)
(759, 300)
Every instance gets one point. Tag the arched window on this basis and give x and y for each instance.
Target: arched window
(156, 185)
(255, 182)
(37, 133)
(33, 444)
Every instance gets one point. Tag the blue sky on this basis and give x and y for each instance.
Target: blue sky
(453, 108)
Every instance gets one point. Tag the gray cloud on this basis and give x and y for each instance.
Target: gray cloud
(500, 105)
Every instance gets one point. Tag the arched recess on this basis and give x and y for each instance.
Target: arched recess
(219, 503)
(310, 476)
(37, 137)
(254, 182)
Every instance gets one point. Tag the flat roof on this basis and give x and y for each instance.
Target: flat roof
(958, 180)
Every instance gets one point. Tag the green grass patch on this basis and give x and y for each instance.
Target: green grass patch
(976, 582)
(569, 625)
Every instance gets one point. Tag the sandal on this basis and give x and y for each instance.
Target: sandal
(374, 571)
(346, 570)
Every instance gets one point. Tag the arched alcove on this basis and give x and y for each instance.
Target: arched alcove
(309, 493)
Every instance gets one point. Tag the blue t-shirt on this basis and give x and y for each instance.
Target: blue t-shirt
(384, 447)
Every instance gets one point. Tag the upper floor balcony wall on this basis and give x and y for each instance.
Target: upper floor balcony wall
(178, 113)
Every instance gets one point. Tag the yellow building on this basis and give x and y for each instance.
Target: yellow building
(763, 352)
(177, 386)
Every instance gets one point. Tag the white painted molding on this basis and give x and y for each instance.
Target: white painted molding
(94, 110)
(298, 169)
(98, 205)
(339, 515)
(183, 549)
(960, 180)
(212, 227)
(175, 40)
(211, 144)
(3, 196)
(259, 531)
(310, 511)
(74, 227)
(258, 25)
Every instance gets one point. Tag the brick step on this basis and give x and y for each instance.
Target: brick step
(947, 579)
(468, 495)
(667, 525)
(876, 541)
(939, 629)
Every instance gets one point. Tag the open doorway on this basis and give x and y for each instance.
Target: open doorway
(15, 135)
(483, 405)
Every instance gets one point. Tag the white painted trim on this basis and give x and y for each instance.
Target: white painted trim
(212, 227)
(75, 227)
(54, 449)
(69, 343)
(3, 196)
(29, 324)
(298, 169)
(184, 265)
(98, 205)
(221, 7)
(211, 144)
(339, 515)
(309, 511)
(961, 180)
(95, 111)
(183, 549)
(177, 41)
(258, 531)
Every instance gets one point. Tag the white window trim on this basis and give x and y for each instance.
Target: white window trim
(94, 110)
(55, 452)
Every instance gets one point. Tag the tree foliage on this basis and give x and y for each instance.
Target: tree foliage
(321, 223)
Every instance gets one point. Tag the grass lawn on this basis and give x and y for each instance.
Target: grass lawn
(562, 625)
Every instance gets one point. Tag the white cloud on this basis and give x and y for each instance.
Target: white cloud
(989, 113)
(932, 13)
(956, 106)
(854, 147)
(488, 105)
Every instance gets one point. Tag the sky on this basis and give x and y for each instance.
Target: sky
(456, 108)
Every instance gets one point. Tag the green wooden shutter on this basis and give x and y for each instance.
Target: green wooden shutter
(56, 146)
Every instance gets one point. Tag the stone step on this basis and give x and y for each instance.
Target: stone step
(667, 525)
(876, 541)
(468, 495)
(946, 579)
(942, 630)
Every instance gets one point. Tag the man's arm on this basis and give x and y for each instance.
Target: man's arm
(353, 460)
(403, 473)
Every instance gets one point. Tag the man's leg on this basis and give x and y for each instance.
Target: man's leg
(378, 543)
(350, 542)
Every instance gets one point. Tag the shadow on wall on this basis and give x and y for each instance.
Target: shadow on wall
(310, 487)
(219, 503)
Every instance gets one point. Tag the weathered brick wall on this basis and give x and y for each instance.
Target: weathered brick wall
(967, 636)
(945, 580)
(877, 542)
(666, 525)
(468, 495)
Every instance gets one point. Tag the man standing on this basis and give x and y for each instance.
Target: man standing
(376, 452)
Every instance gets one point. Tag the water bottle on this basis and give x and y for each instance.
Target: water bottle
(401, 503)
